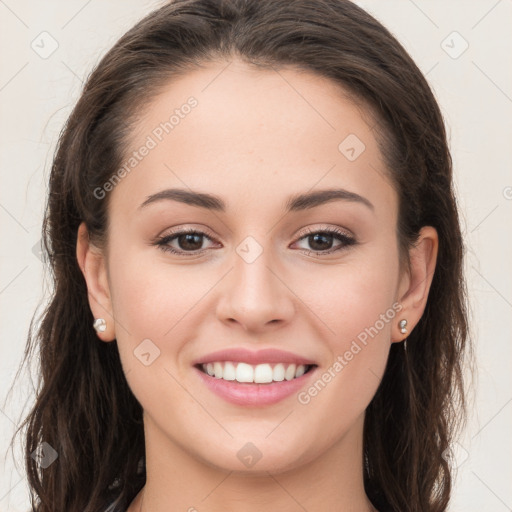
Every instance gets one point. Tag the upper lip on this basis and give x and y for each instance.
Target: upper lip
(243, 355)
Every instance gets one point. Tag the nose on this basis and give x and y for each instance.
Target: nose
(255, 297)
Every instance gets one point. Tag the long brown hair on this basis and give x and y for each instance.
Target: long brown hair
(84, 408)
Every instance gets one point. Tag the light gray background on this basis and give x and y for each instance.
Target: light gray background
(474, 89)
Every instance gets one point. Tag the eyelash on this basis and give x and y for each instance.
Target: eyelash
(163, 242)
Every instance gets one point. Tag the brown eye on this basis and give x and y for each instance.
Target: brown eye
(190, 242)
(326, 241)
(185, 242)
(320, 241)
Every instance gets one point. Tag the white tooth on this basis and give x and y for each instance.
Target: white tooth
(244, 373)
(259, 374)
(300, 371)
(217, 368)
(278, 373)
(229, 371)
(290, 372)
(262, 374)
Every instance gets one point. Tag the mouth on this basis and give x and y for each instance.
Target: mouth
(244, 373)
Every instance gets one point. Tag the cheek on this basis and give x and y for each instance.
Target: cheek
(153, 303)
(359, 308)
(352, 297)
(150, 297)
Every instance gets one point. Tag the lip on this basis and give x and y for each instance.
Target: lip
(242, 355)
(250, 394)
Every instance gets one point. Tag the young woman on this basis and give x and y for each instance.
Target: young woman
(259, 301)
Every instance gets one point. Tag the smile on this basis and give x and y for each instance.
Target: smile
(257, 385)
(256, 374)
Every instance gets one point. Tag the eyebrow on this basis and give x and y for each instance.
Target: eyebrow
(295, 203)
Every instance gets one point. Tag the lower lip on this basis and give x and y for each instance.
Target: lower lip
(254, 394)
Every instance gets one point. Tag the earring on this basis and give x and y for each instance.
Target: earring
(100, 325)
(402, 325)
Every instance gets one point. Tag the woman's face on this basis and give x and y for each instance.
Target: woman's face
(254, 277)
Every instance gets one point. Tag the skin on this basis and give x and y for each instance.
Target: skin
(255, 138)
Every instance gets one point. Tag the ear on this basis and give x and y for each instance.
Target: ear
(416, 280)
(91, 261)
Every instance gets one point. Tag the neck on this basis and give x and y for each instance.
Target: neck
(179, 480)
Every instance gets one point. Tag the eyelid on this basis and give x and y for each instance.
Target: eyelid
(191, 228)
(325, 228)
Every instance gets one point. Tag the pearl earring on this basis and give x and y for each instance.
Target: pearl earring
(402, 325)
(100, 325)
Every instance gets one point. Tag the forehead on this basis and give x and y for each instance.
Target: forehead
(234, 130)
